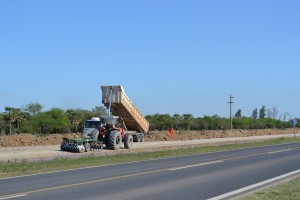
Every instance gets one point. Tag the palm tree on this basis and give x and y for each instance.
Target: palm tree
(178, 119)
(188, 118)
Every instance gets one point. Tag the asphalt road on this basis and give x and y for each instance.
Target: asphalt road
(196, 177)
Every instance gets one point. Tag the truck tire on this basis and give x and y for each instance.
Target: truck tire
(114, 140)
(142, 138)
(128, 141)
(135, 138)
(87, 147)
(138, 138)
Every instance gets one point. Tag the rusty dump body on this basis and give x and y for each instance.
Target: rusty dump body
(123, 107)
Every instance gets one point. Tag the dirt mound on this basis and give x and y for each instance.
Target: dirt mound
(21, 140)
(208, 134)
(26, 139)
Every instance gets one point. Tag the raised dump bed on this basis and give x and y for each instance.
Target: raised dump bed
(123, 107)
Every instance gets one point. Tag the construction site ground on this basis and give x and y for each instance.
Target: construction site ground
(32, 148)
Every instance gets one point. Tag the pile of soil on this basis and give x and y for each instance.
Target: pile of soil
(208, 134)
(21, 140)
(25, 139)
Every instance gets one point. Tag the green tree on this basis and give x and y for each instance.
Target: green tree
(99, 111)
(242, 123)
(177, 120)
(74, 117)
(14, 116)
(254, 113)
(3, 125)
(187, 120)
(262, 112)
(33, 108)
(164, 121)
(238, 114)
(52, 121)
(199, 124)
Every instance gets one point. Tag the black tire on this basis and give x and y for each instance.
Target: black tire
(135, 138)
(87, 147)
(114, 140)
(128, 141)
(142, 138)
(138, 138)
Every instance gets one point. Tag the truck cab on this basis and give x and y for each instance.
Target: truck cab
(90, 125)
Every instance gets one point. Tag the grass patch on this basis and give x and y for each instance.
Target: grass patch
(285, 191)
(8, 169)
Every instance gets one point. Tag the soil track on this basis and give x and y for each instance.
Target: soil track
(29, 147)
(23, 140)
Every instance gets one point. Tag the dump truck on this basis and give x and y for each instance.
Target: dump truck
(123, 123)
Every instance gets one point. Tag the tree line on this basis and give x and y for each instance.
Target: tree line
(260, 119)
(31, 119)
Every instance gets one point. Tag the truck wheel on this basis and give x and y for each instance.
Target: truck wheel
(87, 147)
(114, 139)
(138, 138)
(128, 141)
(135, 138)
(142, 138)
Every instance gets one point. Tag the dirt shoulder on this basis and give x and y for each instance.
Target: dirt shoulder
(44, 153)
(27, 140)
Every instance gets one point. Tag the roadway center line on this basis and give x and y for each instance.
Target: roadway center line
(250, 187)
(12, 196)
(195, 165)
(284, 150)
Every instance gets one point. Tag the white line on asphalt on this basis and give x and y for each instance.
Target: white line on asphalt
(279, 151)
(250, 187)
(13, 196)
(195, 165)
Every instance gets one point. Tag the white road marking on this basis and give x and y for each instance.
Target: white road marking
(13, 196)
(250, 187)
(279, 151)
(195, 165)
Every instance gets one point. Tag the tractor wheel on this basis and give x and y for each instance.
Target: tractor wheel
(128, 141)
(114, 139)
(87, 147)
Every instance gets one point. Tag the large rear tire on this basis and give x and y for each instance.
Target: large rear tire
(114, 140)
(128, 141)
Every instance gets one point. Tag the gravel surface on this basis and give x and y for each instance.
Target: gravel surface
(42, 153)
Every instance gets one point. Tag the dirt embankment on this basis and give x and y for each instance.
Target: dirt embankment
(208, 134)
(21, 140)
(25, 139)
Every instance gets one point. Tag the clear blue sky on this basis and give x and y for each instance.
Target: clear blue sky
(171, 56)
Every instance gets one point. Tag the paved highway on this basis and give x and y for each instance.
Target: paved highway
(202, 176)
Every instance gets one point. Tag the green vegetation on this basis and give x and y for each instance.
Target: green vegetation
(24, 167)
(285, 191)
(32, 119)
(215, 122)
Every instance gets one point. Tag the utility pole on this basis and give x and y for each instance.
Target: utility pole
(231, 102)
